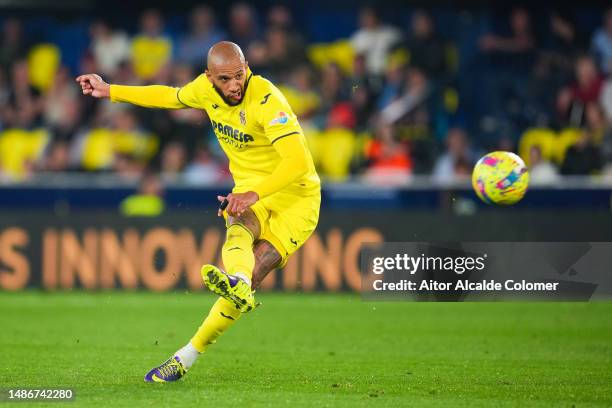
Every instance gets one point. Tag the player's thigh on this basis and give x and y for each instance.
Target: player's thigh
(292, 221)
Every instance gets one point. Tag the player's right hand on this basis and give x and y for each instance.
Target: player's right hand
(237, 203)
(94, 85)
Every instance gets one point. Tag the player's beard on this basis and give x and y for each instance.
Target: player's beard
(227, 100)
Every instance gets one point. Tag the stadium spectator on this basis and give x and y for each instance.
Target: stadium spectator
(109, 48)
(541, 171)
(585, 90)
(508, 57)
(365, 91)
(362, 98)
(127, 167)
(131, 138)
(583, 158)
(595, 123)
(278, 55)
(457, 149)
(554, 67)
(564, 42)
(333, 149)
(301, 93)
(57, 158)
(394, 79)
(61, 110)
(427, 49)
(13, 45)
(374, 40)
(361, 78)
(601, 44)
(24, 105)
(20, 149)
(124, 147)
(411, 105)
(204, 169)
(280, 16)
(151, 50)
(193, 47)
(67, 125)
(505, 143)
(243, 28)
(147, 201)
(389, 161)
(462, 170)
(284, 53)
(173, 161)
(518, 45)
(333, 89)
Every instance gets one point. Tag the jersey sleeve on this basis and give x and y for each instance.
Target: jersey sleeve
(277, 118)
(192, 95)
(195, 94)
(294, 164)
(152, 96)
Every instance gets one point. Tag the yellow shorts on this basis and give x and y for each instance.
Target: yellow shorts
(287, 220)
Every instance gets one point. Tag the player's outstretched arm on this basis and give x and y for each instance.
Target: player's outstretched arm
(151, 96)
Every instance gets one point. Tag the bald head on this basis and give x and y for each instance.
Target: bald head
(227, 71)
(225, 53)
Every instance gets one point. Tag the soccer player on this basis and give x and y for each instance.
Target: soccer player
(274, 205)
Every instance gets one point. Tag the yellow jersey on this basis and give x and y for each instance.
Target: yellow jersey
(247, 132)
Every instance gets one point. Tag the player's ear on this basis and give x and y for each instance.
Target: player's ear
(207, 72)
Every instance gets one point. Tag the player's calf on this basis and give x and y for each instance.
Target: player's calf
(266, 259)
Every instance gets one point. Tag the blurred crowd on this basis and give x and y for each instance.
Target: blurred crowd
(383, 104)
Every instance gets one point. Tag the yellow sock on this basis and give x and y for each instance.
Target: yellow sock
(238, 258)
(222, 315)
(237, 253)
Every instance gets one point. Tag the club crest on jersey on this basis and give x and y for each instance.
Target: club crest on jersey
(281, 119)
(242, 118)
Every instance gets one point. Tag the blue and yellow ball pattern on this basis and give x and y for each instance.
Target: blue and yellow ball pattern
(500, 178)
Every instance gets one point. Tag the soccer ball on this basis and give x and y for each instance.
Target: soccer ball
(500, 178)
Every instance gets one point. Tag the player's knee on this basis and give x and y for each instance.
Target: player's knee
(248, 220)
(238, 234)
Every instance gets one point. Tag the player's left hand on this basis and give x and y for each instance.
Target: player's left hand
(238, 202)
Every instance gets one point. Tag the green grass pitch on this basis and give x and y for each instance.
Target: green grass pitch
(310, 350)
